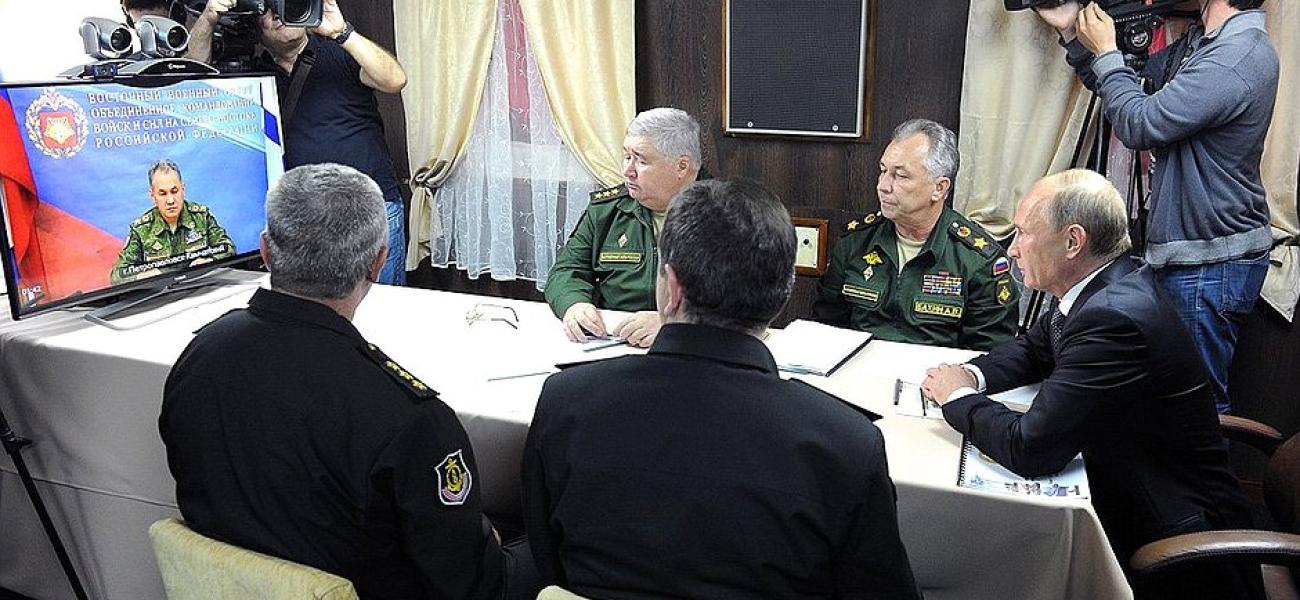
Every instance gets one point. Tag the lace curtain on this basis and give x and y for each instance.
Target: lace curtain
(519, 191)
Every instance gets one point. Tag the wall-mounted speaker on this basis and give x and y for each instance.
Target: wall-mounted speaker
(796, 67)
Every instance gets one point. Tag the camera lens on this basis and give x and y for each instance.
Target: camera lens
(176, 37)
(119, 40)
(296, 10)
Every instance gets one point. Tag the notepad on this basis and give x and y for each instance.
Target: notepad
(810, 348)
(978, 471)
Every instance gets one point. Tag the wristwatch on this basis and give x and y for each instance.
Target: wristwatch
(345, 34)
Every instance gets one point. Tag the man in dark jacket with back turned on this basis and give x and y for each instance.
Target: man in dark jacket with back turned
(696, 471)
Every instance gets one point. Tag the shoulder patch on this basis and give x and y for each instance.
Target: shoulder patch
(454, 479)
(868, 414)
(144, 219)
(866, 222)
(975, 239)
(404, 378)
(195, 207)
(608, 194)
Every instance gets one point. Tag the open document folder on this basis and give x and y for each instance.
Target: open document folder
(810, 348)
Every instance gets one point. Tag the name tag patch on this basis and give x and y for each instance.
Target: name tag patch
(938, 309)
(620, 257)
(862, 293)
(942, 284)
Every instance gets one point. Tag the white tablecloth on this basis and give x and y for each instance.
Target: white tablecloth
(90, 396)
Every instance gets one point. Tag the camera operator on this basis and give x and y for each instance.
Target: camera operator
(1208, 231)
(327, 81)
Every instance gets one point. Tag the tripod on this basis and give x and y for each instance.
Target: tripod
(1099, 152)
(13, 445)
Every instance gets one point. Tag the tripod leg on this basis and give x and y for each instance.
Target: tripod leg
(13, 445)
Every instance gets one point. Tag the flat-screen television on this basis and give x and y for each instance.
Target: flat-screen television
(109, 186)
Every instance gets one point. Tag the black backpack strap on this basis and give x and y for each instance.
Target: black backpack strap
(296, 80)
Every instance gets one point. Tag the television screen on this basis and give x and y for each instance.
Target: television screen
(108, 186)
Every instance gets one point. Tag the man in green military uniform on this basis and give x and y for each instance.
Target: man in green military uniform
(917, 271)
(174, 232)
(610, 259)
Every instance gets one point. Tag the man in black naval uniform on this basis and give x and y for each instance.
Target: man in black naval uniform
(918, 271)
(695, 471)
(289, 434)
(609, 260)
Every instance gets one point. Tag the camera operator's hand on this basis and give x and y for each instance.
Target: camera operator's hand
(201, 32)
(214, 9)
(1061, 18)
(1096, 29)
(332, 22)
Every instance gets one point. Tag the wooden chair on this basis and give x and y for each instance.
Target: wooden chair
(1276, 551)
(196, 567)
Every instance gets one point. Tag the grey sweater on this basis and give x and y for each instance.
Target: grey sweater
(1205, 127)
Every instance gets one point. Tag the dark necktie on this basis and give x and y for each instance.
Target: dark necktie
(1055, 326)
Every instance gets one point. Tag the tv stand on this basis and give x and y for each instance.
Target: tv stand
(141, 300)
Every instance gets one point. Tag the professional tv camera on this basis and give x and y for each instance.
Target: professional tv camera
(234, 40)
(1135, 20)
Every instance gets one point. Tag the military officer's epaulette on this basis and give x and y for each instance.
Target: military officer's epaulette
(196, 208)
(974, 238)
(866, 222)
(144, 219)
(608, 194)
(403, 377)
(868, 414)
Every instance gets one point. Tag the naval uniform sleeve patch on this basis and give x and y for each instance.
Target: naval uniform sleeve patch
(608, 194)
(974, 238)
(454, 479)
(404, 378)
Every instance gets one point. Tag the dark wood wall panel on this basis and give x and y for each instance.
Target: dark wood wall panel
(918, 51)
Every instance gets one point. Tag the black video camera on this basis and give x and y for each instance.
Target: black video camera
(1135, 20)
(234, 40)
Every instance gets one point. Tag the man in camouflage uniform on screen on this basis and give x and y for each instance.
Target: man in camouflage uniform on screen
(173, 228)
(917, 271)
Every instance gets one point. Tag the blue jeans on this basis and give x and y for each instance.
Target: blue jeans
(1213, 300)
(394, 269)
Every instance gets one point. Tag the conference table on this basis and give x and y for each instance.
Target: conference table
(89, 396)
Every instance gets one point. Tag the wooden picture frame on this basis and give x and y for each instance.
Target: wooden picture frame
(810, 252)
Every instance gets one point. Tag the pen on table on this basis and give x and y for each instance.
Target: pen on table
(799, 369)
(520, 375)
(898, 390)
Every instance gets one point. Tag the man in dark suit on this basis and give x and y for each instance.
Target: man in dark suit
(696, 471)
(1121, 383)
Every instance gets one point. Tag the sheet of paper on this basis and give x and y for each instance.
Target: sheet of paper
(808, 347)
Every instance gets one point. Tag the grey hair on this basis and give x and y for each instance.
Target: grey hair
(1088, 199)
(732, 247)
(673, 132)
(325, 226)
(942, 159)
(165, 165)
